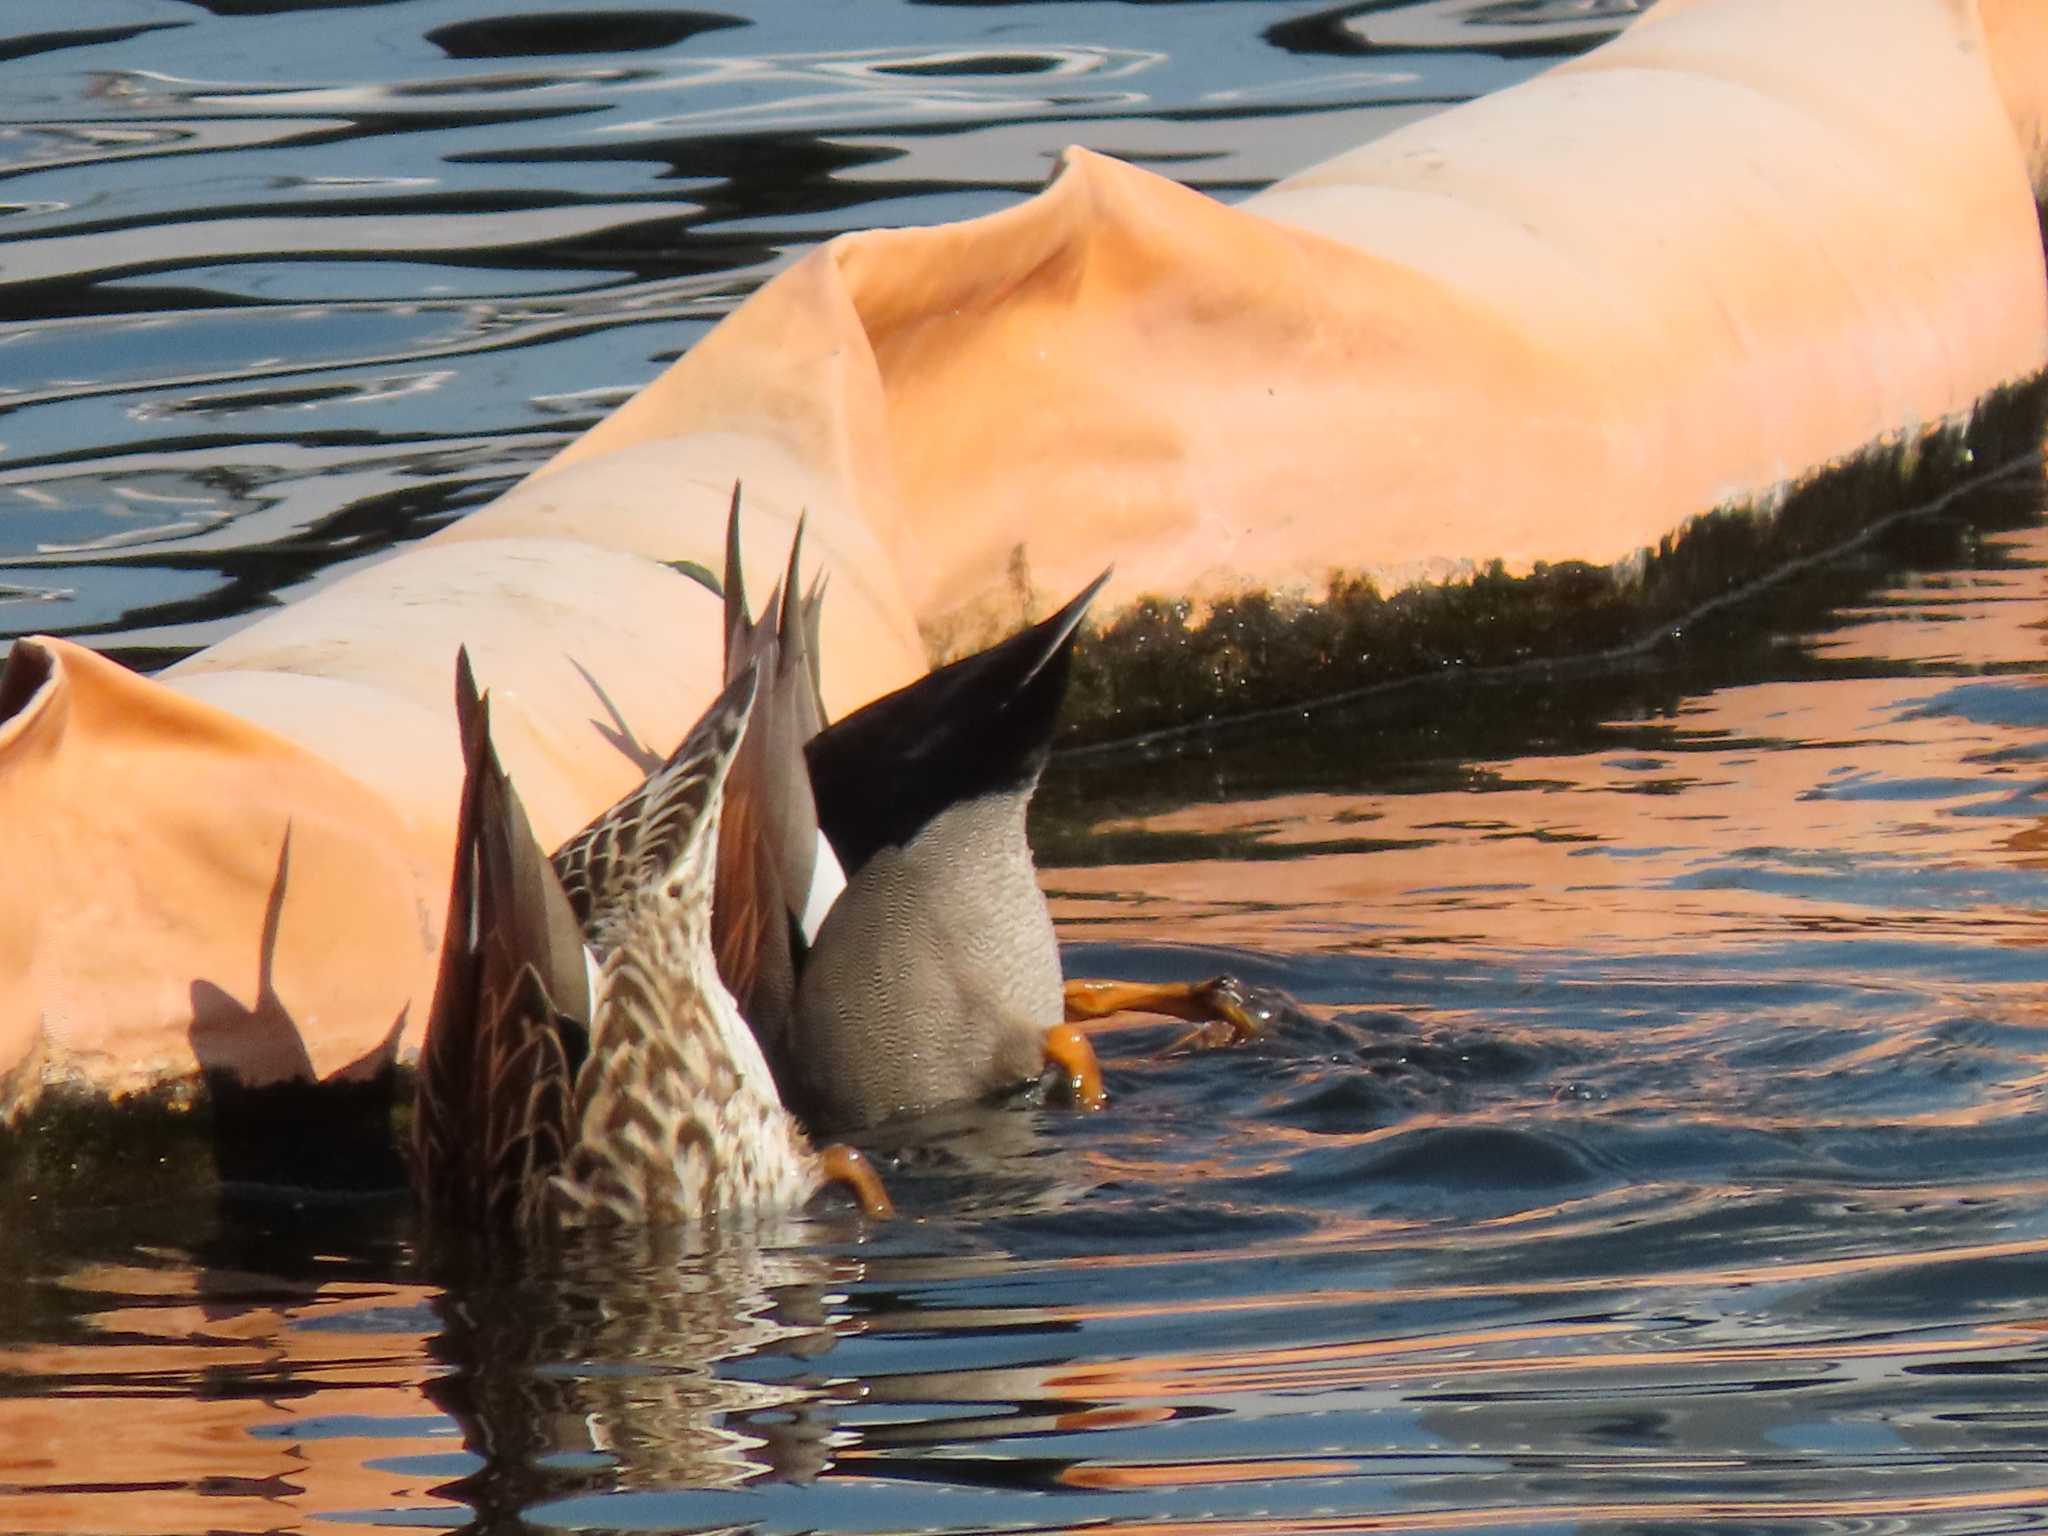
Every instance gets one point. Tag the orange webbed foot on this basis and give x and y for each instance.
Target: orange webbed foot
(1068, 1049)
(1221, 1009)
(849, 1166)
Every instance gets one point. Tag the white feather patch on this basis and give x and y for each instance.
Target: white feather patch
(827, 881)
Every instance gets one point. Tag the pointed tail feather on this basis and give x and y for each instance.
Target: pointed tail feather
(979, 726)
(446, 1103)
(510, 938)
(769, 843)
(813, 614)
(739, 626)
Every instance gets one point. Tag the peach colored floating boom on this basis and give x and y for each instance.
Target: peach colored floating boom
(1746, 238)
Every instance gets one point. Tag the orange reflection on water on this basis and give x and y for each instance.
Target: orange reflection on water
(185, 1409)
(1381, 1362)
(1128, 1475)
(1737, 819)
(1732, 1277)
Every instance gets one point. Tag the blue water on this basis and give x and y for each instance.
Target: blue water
(1656, 1142)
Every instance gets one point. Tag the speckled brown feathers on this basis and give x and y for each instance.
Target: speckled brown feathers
(633, 845)
(669, 1117)
(676, 1119)
(599, 1071)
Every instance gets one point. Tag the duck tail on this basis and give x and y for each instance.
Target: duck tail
(770, 875)
(506, 1030)
(982, 725)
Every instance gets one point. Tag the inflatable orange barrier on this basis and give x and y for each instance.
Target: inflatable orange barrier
(1744, 239)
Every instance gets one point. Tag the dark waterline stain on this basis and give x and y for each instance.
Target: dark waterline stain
(1160, 668)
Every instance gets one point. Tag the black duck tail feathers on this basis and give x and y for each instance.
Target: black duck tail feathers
(982, 725)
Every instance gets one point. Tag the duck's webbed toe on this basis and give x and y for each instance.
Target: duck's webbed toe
(1223, 1009)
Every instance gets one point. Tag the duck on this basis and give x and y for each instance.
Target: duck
(584, 1063)
(789, 926)
(878, 908)
(778, 876)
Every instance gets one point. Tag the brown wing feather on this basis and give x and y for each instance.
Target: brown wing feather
(444, 1104)
(530, 1099)
(505, 1034)
(769, 839)
(746, 893)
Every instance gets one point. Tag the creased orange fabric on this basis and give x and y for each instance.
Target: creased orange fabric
(1745, 238)
(158, 831)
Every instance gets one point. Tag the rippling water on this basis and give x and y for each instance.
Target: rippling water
(1659, 1140)
(282, 284)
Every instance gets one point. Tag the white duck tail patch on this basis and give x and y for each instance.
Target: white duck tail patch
(828, 880)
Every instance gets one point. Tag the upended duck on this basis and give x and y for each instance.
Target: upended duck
(786, 919)
(584, 1065)
(878, 911)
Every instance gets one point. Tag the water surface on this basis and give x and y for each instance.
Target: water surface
(1658, 1142)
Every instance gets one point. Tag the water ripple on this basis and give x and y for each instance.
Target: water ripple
(1653, 1138)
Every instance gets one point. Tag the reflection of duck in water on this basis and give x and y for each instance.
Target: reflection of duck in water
(597, 1364)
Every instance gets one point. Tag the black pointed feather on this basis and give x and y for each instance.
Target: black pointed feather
(738, 627)
(981, 726)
